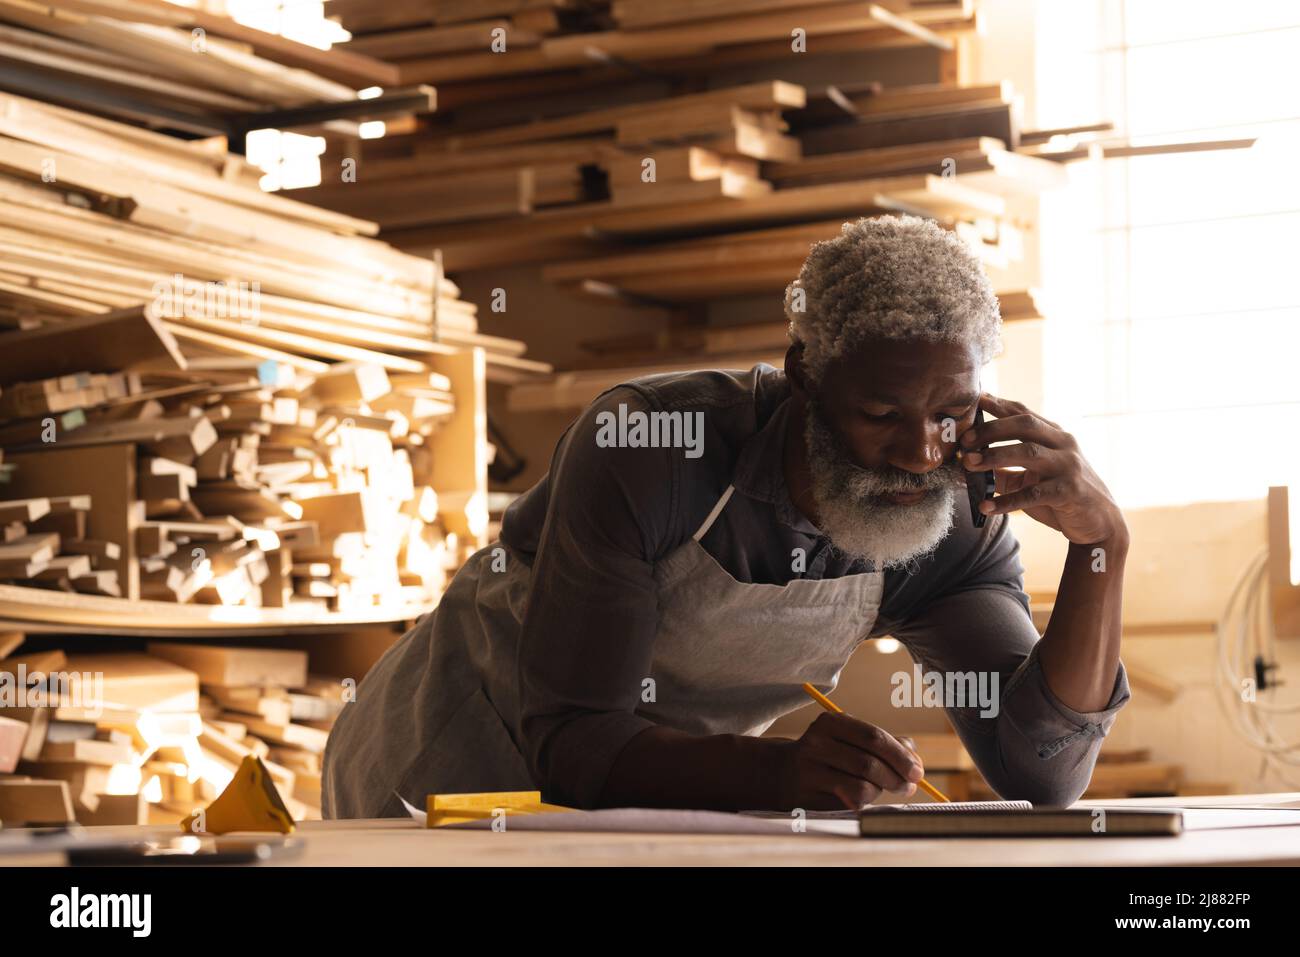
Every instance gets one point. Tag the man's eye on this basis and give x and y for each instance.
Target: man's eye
(881, 417)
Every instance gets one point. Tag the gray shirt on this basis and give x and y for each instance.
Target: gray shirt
(594, 527)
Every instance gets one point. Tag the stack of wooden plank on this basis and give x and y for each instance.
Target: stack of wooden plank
(406, 32)
(225, 372)
(261, 701)
(216, 486)
(652, 169)
(99, 216)
(184, 62)
(866, 117)
(711, 195)
(83, 727)
(136, 738)
(46, 543)
(610, 360)
(461, 41)
(465, 174)
(754, 262)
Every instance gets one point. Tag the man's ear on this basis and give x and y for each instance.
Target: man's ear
(794, 370)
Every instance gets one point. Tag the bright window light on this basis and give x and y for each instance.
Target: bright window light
(1180, 311)
(290, 160)
(301, 20)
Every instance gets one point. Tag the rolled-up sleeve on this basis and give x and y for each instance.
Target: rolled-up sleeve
(1034, 747)
(588, 631)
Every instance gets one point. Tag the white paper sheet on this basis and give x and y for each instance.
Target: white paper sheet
(842, 823)
(675, 821)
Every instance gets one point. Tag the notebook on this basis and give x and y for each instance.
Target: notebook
(1015, 819)
(1019, 819)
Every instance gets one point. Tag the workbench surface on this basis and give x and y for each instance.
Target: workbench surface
(398, 842)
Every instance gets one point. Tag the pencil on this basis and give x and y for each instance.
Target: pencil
(830, 705)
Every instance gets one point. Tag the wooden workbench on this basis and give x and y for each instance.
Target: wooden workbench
(396, 842)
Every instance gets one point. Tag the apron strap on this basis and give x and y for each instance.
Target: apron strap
(713, 515)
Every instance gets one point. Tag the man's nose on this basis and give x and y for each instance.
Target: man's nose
(918, 449)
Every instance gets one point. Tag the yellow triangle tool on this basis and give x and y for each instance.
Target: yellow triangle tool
(250, 802)
(444, 809)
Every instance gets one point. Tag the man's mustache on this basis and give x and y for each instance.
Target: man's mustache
(892, 480)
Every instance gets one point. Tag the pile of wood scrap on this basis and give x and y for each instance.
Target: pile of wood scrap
(460, 41)
(262, 701)
(238, 483)
(46, 543)
(183, 65)
(147, 738)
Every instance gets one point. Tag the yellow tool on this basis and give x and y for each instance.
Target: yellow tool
(250, 802)
(444, 809)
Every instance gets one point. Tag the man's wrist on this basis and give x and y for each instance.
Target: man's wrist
(762, 766)
(1116, 544)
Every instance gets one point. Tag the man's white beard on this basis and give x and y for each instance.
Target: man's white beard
(852, 509)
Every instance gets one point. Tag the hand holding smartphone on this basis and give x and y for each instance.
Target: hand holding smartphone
(980, 486)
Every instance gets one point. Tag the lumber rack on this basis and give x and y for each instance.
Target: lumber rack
(42, 611)
(64, 88)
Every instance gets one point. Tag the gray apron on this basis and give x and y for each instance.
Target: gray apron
(436, 713)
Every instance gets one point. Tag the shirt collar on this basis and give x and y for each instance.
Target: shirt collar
(760, 471)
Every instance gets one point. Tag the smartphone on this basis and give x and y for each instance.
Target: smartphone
(187, 850)
(979, 485)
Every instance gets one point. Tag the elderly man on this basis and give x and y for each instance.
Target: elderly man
(706, 542)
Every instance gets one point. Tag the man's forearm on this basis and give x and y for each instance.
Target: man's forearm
(1079, 652)
(663, 767)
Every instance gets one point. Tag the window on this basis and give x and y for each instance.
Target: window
(1173, 281)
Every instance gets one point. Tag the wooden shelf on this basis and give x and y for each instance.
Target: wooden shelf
(39, 610)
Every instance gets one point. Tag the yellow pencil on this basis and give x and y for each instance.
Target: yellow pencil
(830, 705)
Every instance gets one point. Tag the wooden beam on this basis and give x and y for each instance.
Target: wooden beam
(118, 340)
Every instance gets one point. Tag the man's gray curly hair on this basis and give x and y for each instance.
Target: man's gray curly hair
(895, 277)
